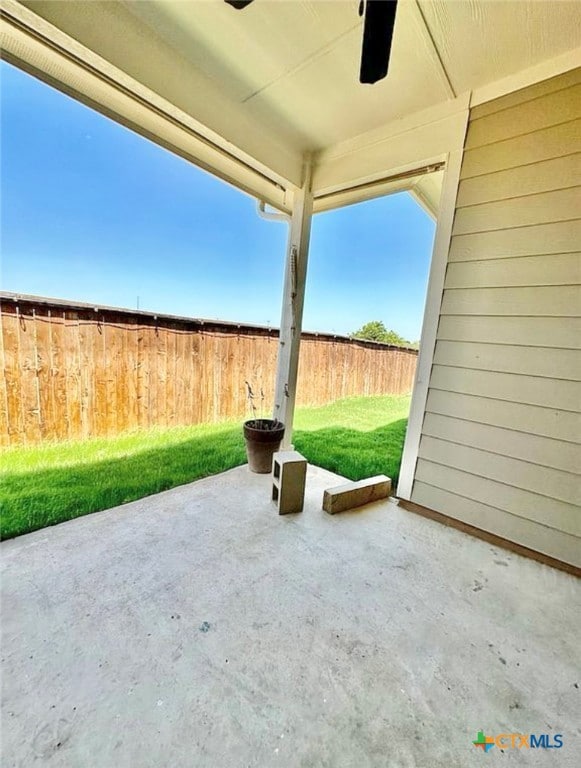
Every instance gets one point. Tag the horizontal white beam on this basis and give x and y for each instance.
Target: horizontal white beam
(397, 147)
(359, 195)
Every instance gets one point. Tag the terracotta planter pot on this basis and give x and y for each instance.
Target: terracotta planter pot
(262, 440)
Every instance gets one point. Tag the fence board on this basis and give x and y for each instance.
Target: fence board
(72, 372)
(169, 388)
(120, 375)
(99, 387)
(180, 414)
(84, 341)
(153, 378)
(42, 346)
(130, 352)
(141, 405)
(73, 384)
(12, 375)
(58, 372)
(29, 383)
(4, 423)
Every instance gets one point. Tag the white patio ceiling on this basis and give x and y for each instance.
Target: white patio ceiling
(247, 93)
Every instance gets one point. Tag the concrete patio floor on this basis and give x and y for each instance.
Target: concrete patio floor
(199, 628)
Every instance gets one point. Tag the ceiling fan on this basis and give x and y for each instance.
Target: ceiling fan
(378, 26)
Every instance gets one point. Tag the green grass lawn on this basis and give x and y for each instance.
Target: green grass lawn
(44, 485)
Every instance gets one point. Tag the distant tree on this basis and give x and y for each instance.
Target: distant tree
(376, 331)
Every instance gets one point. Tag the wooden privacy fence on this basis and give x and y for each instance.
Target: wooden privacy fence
(73, 371)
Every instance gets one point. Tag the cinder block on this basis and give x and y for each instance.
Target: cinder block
(289, 473)
(350, 495)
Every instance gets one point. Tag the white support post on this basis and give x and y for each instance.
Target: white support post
(292, 306)
(434, 296)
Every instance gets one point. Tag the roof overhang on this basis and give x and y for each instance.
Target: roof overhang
(136, 63)
(43, 50)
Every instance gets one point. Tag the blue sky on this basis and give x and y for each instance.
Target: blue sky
(91, 211)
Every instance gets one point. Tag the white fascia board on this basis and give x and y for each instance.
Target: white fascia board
(397, 147)
(355, 195)
(34, 45)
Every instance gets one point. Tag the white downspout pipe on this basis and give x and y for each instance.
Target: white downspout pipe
(271, 215)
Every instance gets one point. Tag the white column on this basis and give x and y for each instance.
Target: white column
(292, 306)
(434, 296)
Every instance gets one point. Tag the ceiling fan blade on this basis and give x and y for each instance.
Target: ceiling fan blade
(238, 4)
(377, 36)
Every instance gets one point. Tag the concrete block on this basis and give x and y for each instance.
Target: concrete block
(289, 472)
(350, 495)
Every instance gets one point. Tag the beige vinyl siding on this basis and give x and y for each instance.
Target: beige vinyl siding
(558, 269)
(522, 301)
(525, 95)
(531, 331)
(557, 485)
(536, 449)
(558, 141)
(500, 446)
(532, 361)
(536, 240)
(559, 173)
(534, 390)
(523, 211)
(534, 115)
(518, 529)
(516, 416)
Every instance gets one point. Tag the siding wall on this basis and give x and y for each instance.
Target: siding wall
(500, 439)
